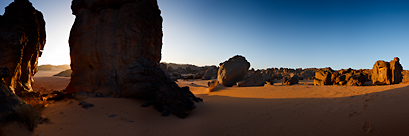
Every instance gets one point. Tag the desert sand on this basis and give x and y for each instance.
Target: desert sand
(301, 109)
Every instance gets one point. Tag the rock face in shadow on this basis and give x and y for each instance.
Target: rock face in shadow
(232, 70)
(9, 100)
(258, 79)
(115, 48)
(396, 71)
(22, 38)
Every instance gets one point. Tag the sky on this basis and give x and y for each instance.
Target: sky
(269, 33)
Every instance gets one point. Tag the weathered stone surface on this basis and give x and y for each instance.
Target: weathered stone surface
(405, 76)
(396, 71)
(258, 79)
(210, 73)
(232, 70)
(293, 79)
(381, 73)
(22, 37)
(355, 79)
(10, 102)
(115, 48)
(323, 77)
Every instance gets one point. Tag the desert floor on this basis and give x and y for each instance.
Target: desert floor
(301, 109)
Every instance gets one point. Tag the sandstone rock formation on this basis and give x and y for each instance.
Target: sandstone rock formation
(323, 77)
(381, 73)
(293, 79)
(115, 48)
(210, 73)
(387, 72)
(22, 38)
(12, 107)
(396, 71)
(232, 70)
(405, 76)
(258, 79)
(348, 77)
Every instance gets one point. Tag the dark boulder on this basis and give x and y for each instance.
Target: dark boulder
(233, 70)
(293, 79)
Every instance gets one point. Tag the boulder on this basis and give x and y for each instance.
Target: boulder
(293, 79)
(232, 70)
(396, 71)
(258, 79)
(323, 77)
(22, 38)
(115, 49)
(381, 73)
(355, 79)
(210, 73)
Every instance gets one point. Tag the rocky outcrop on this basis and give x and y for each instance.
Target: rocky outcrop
(405, 76)
(115, 48)
(22, 38)
(293, 79)
(65, 73)
(210, 73)
(348, 77)
(387, 72)
(381, 73)
(396, 71)
(323, 77)
(232, 70)
(258, 79)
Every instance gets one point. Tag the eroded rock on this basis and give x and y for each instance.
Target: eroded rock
(22, 38)
(381, 73)
(115, 48)
(232, 70)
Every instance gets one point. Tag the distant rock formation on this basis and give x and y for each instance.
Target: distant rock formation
(65, 73)
(322, 77)
(293, 79)
(387, 72)
(258, 79)
(348, 77)
(232, 70)
(115, 48)
(22, 38)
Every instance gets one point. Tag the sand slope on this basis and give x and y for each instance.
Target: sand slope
(270, 110)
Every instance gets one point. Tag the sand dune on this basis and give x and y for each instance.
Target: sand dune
(270, 110)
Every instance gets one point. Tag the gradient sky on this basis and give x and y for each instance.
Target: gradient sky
(269, 33)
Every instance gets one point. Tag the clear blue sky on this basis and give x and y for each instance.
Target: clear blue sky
(269, 33)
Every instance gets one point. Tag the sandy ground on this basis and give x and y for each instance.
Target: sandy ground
(301, 109)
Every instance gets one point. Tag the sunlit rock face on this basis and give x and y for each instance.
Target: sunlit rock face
(115, 52)
(387, 72)
(22, 37)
